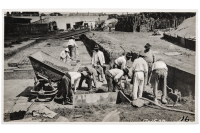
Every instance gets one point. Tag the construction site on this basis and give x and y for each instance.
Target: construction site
(34, 69)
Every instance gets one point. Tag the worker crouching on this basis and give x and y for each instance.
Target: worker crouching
(113, 77)
(89, 74)
(139, 72)
(159, 78)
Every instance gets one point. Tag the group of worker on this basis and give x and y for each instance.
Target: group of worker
(70, 52)
(143, 68)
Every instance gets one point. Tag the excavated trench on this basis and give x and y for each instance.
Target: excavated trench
(177, 78)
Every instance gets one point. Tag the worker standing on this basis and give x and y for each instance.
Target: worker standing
(98, 61)
(159, 76)
(120, 62)
(138, 71)
(72, 47)
(113, 77)
(89, 74)
(64, 55)
(149, 56)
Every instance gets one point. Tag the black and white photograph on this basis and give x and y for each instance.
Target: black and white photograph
(98, 66)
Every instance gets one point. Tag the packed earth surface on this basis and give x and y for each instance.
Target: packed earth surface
(123, 112)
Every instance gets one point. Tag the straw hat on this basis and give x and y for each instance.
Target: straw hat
(67, 50)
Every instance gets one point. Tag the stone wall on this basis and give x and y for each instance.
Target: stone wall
(177, 78)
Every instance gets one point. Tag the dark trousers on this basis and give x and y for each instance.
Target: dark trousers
(72, 51)
(87, 78)
(160, 81)
(66, 87)
(112, 85)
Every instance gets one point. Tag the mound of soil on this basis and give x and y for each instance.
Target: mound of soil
(186, 29)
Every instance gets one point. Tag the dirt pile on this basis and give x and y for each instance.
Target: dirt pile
(186, 29)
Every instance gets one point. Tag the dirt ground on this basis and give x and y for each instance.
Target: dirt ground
(136, 41)
(96, 113)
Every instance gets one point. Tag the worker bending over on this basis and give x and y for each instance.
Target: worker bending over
(159, 77)
(72, 47)
(66, 89)
(120, 62)
(64, 55)
(138, 71)
(113, 77)
(98, 61)
(89, 74)
(75, 78)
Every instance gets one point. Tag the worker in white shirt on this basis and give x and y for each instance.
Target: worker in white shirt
(89, 74)
(72, 47)
(113, 77)
(64, 55)
(159, 78)
(139, 72)
(120, 62)
(75, 78)
(98, 61)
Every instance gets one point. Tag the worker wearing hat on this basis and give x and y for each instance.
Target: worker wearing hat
(64, 55)
(159, 79)
(72, 47)
(89, 74)
(149, 56)
(98, 61)
(120, 62)
(113, 78)
(138, 72)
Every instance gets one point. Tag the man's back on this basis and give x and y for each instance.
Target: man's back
(71, 43)
(159, 65)
(139, 64)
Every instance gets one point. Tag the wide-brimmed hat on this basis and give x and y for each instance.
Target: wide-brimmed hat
(96, 47)
(147, 46)
(67, 49)
(72, 37)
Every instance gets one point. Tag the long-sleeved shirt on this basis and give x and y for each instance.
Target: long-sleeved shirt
(116, 73)
(121, 61)
(159, 65)
(71, 42)
(63, 54)
(149, 56)
(139, 65)
(98, 57)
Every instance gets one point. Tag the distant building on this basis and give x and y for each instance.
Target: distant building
(11, 20)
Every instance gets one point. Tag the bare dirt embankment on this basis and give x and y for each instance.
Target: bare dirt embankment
(186, 29)
(181, 68)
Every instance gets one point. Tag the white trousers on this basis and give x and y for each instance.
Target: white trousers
(138, 85)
